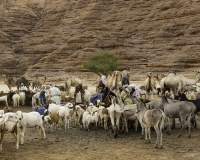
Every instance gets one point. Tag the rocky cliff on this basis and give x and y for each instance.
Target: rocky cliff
(55, 36)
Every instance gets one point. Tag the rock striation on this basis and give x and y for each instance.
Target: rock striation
(55, 37)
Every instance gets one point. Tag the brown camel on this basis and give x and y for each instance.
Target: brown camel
(25, 82)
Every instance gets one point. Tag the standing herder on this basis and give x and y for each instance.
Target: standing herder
(42, 96)
(135, 92)
(22, 88)
(79, 94)
(125, 95)
(102, 84)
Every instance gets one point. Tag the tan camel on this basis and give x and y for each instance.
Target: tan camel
(9, 81)
(73, 82)
(113, 80)
(150, 85)
(38, 82)
(173, 81)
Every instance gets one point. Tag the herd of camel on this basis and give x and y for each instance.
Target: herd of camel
(171, 81)
(37, 82)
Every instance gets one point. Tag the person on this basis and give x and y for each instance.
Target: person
(79, 94)
(22, 88)
(42, 96)
(104, 92)
(102, 84)
(198, 96)
(125, 80)
(135, 92)
(125, 95)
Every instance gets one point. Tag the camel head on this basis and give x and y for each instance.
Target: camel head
(149, 74)
(116, 73)
(4, 76)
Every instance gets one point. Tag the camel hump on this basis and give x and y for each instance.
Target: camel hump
(172, 72)
(22, 78)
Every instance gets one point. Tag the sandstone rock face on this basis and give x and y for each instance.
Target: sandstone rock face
(54, 37)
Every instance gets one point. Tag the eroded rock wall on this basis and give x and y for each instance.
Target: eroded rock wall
(50, 37)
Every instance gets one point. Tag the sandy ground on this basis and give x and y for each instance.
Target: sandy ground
(76, 144)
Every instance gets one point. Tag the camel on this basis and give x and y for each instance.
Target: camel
(114, 79)
(150, 85)
(9, 81)
(38, 82)
(173, 81)
(25, 82)
(73, 82)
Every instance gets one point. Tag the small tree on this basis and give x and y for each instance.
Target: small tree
(102, 62)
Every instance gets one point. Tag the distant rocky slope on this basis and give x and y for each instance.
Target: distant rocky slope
(53, 37)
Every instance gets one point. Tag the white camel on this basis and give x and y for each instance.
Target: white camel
(173, 81)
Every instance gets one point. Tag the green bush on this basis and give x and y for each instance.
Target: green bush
(102, 62)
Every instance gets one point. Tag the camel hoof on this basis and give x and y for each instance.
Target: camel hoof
(179, 135)
(189, 136)
(161, 147)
